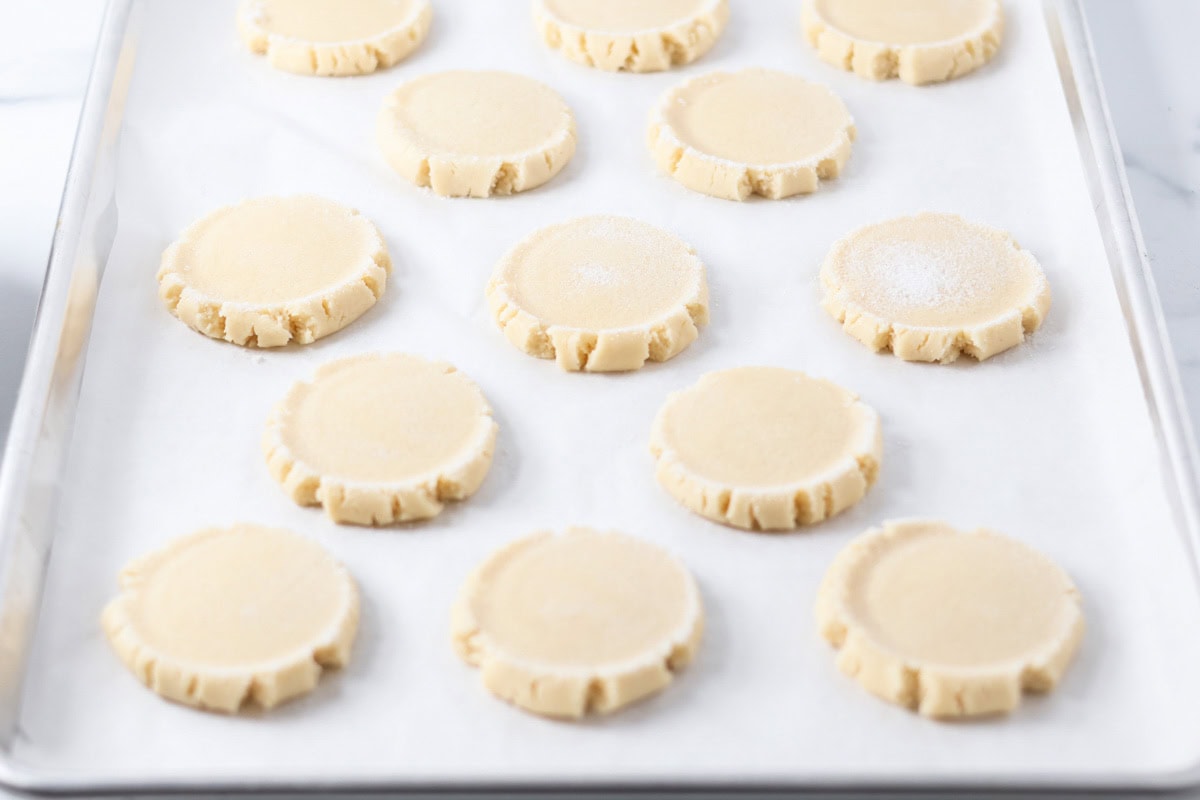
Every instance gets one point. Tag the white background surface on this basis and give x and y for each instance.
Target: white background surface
(1143, 47)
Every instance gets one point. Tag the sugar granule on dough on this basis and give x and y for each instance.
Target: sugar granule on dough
(915, 275)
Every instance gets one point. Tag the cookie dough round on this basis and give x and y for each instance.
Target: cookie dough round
(949, 624)
(274, 270)
(600, 294)
(476, 134)
(919, 41)
(333, 37)
(766, 448)
(757, 131)
(378, 439)
(631, 35)
(226, 617)
(584, 621)
(933, 286)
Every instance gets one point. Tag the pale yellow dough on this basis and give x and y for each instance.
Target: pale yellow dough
(766, 448)
(933, 286)
(333, 37)
(378, 439)
(631, 35)
(274, 270)
(757, 131)
(584, 621)
(226, 617)
(600, 294)
(476, 134)
(949, 624)
(918, 41)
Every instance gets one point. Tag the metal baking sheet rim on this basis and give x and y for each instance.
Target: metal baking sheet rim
(50, 386)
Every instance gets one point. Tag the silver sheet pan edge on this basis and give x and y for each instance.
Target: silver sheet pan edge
(1140, 303)
(45, 409)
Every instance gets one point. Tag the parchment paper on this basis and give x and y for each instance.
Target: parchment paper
(1051, 442)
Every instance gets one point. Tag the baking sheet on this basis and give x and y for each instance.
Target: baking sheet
(1051, 442)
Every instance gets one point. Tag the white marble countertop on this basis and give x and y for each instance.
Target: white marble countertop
(1150, 64)
(1145, 49)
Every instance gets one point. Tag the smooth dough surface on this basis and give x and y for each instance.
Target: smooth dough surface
(918, 41)
(475, 134)
(334, 37)
(757, 131)
(933, 286)
(224, 617)
(378, 439)
(583, 621)
(274, 270)
(766, 448)
(631, 35)
(600, 294)
(949, 624)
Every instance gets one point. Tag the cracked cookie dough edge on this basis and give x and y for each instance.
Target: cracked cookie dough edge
(225, 689)
(563, 692)
(651, 50)
(771, 508)
(932, 690)
(452, 175)
(917, 64)
(590, 350)
(733, 180)
(938, 343)
(352, 502)
(302, 321)
(335, 59)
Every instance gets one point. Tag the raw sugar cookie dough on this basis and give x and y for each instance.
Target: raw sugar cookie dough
(631, 35)
(933, 286)
(949, 624)
(600, 294)
(378, 439)
(757, 131)
(227, 617)
(918, 41)
(333, 37)
(564, 624)
(476, 134)
(766, 448)
(274, 270)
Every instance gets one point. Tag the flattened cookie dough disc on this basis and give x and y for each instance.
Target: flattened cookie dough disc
(333, 37)
(631, 35)
(378, 439)
(476, 134)
(600, 294)
(949, 624)
(583, 621)
(919, 41)
(274, 270)
(935, 285)
(757, 131)
(224, 617)
(766, 448)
